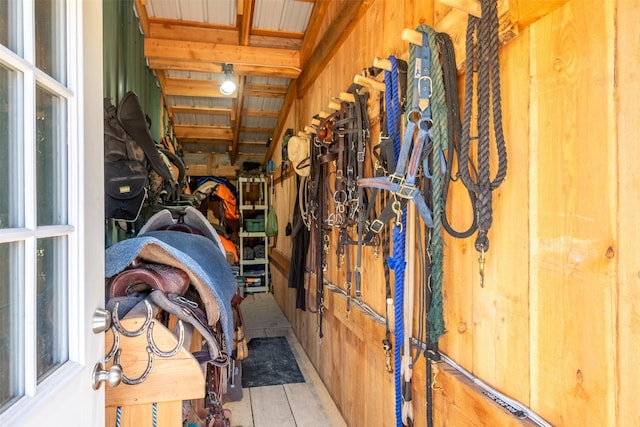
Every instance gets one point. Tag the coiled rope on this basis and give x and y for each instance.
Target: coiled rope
(482, 58)
(450, 79)
(437, 167)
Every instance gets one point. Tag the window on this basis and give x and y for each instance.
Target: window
(37, 109)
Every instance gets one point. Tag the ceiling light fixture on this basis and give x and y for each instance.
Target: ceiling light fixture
(228, 86)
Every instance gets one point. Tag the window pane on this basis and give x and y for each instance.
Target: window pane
(11, 150)
(51, 52)
(11, 319)
(11, 25)
(51, 315)
(51, 158)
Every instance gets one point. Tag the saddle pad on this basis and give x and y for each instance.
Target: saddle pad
(196, 255)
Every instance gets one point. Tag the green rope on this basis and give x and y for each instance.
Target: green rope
(435, 316)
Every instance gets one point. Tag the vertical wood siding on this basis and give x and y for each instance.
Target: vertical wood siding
(556, 324)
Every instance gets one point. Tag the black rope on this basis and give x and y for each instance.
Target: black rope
(482, 59)
(450, 77)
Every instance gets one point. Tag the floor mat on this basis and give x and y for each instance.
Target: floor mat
(270, 362)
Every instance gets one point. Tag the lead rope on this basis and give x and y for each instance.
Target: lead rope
(154, 415)
(392, 110)
(439, 136)
(450, 80)
(484, 55)
(396, 262)
(434, 167)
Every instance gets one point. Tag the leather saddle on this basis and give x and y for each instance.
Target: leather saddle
(148, 276)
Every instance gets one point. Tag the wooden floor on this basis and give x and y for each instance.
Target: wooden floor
(305, 404)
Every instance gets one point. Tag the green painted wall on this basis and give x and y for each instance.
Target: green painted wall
(124, 63)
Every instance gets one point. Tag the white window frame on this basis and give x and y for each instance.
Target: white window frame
(37, 394)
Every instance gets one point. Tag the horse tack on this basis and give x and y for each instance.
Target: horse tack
(335, 201)
(404, 181)
(144, 276)
(482, 57)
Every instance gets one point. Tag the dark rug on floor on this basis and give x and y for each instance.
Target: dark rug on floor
(270, 362)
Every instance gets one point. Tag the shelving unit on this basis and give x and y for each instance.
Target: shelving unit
(254, 205)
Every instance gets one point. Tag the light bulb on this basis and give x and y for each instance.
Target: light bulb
(228, 87)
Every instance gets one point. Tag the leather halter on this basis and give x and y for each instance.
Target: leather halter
(403, 183)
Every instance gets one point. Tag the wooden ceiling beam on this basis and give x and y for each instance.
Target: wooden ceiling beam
(265, 90)
(245, 24)
(220, 53)
(203, 132)
(334, 36)
(318, 16)
(193, 87)
(276, 34)
(215, 111)
(260, 113)
(211, 67)
(194, 32)
(141, 12)
(184, 65)
(274, 42)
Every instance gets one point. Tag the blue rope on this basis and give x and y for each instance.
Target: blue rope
(393, 107)
(154, 409)
(118, 415)
(396, 261)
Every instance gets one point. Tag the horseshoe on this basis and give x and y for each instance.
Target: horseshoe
(116, 321)
(144, 375)
(154, 347)
(115, 346)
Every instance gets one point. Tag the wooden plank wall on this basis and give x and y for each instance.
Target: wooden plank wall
(556, 325)
(627, 300)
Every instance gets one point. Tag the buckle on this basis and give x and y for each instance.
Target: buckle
(405, 190)
(401, 188)
(396, 179)
(376, 226)
(425, 91)
(211, 399)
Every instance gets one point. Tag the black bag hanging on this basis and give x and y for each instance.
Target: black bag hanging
(129, 152)
(126, 190)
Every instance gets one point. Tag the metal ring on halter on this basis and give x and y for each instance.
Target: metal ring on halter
(331, 222)
(144, 375)
(337, 198)
(115, 346)
(155, 348)
(414, 115)
(116, 321)
(428, 122)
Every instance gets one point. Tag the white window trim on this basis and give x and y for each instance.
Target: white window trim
(38, 394)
